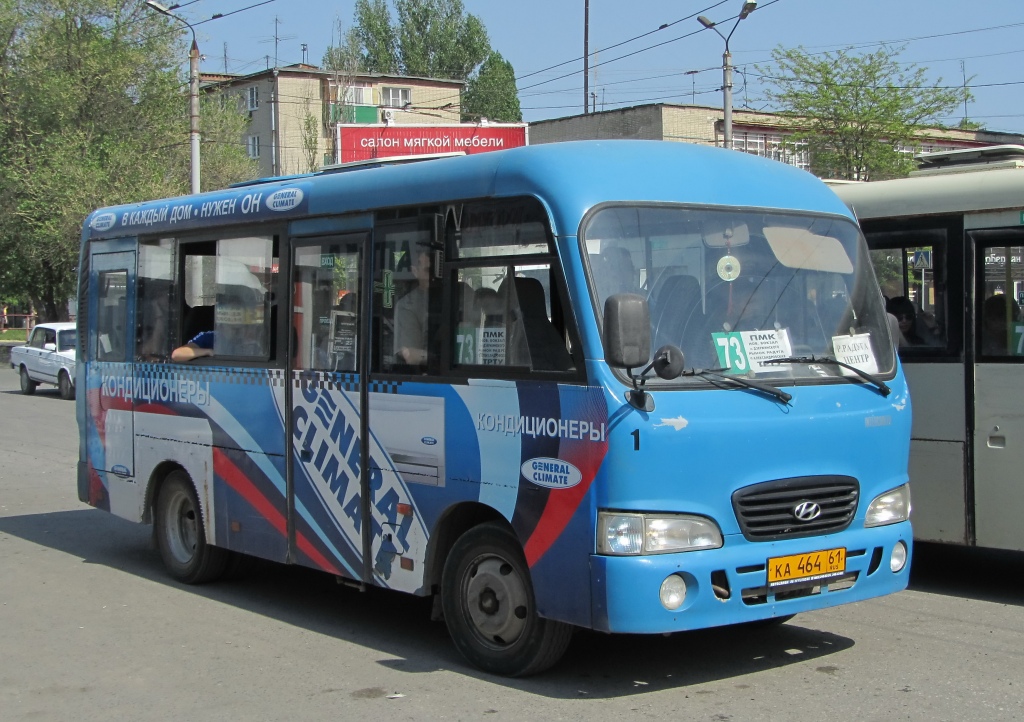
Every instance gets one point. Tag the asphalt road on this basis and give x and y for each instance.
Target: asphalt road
(92, 629)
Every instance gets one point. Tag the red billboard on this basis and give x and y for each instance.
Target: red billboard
(365, 142)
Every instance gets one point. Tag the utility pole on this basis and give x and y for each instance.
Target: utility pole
(586, 55)
(193, 91)
(748, 7)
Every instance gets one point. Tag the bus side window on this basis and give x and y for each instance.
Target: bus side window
(325, 313)
(504, 288)
(112, 316)
(912, 276)
(245, 279)
(406, 299)
(154, 315)
(999, 322)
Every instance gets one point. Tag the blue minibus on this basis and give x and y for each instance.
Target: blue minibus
(628, 386)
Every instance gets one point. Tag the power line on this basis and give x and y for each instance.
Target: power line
(874, 43)
(641, 50)
(624, 42)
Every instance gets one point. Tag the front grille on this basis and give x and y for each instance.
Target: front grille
(766, 512)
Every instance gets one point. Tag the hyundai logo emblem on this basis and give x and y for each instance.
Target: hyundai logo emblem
(806, 511)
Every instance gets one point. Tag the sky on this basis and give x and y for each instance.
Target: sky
(543, 39)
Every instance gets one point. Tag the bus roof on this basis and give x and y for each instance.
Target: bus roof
(570, 177)
(954, 193)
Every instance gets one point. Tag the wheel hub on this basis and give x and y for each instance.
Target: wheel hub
(497, 600)
(182, 527)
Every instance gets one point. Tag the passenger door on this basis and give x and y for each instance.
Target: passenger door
(325, 399)
(917, 265)
(109, 372)
(998, 392)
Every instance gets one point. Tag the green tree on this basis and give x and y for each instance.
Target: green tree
(376, 37)
(437, 39)
(431, 39)
(491, 93)
(857, 113)
(345, 58)
(93, 112)
(224, 160)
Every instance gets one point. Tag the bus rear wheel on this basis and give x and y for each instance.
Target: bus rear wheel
(181, 534)
(489, 607)
(28, 386)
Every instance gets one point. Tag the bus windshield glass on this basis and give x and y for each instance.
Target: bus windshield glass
(734, 290)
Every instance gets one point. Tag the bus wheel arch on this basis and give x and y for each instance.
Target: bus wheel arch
(490, 608)
(453, 523)
(180, 531)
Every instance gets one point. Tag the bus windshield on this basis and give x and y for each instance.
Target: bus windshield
(736, 289)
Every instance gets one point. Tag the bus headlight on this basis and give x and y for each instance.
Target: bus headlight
(889, 508)
(622, 534)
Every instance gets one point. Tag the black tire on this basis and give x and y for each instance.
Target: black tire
(64, 385)
(489, 607)
(181, 534)
(28, 386)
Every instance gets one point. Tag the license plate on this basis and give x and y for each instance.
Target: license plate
(811, 566)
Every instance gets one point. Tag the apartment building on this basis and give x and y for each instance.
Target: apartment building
(295, 111)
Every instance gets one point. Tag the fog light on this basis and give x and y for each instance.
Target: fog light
(899, 557)
(673, 592)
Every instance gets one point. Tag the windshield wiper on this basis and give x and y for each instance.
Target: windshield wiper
(882, 387)
(742, 381)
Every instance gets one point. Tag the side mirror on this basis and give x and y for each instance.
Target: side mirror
(627, 331)
(49, 347)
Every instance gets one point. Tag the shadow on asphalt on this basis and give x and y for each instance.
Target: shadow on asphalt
(45, 393)
(983, 574)
(596, 665)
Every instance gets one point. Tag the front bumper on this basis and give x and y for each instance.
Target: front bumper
(625, 590)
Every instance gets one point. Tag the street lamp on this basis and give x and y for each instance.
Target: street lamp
(748, 7)
(193, 90)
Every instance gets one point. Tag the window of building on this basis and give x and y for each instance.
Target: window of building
(357, 95)
(253, 146)
(777, 146)
(395, 97)
(253, 98)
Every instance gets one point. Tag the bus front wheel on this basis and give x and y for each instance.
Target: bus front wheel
(181, 534)
(489, 608)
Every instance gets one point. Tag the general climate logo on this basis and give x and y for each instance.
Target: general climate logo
(103, 221)
(284, 199)
(551, 473)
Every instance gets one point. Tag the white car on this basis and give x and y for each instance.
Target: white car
(47, 358)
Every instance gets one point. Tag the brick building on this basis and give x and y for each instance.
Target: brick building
(764, 134)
